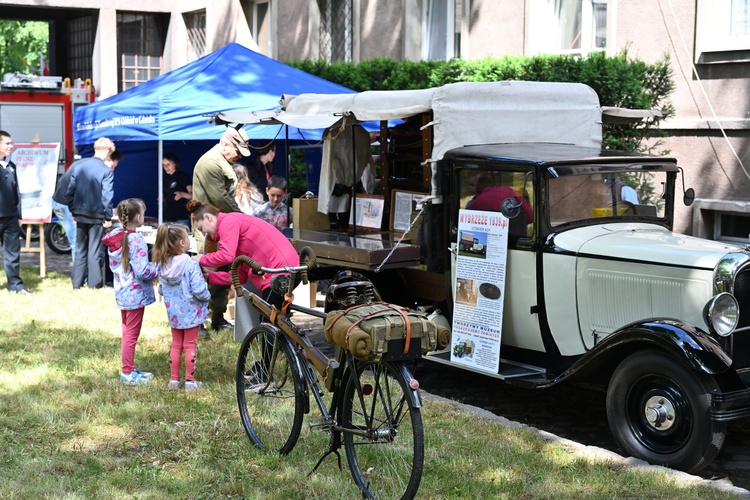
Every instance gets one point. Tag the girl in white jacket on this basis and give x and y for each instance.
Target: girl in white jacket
(186, 297)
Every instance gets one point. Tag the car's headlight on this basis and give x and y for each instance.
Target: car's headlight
(722, 314)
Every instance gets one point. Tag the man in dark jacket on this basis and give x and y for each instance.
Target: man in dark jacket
(90, 192)
(10, 214)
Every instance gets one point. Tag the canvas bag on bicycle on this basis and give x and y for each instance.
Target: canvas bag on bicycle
(366, 330)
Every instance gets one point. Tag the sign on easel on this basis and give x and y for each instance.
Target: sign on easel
(36, 167)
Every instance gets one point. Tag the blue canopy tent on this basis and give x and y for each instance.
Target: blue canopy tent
(167, 114)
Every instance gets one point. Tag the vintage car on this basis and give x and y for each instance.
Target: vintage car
(599, 289)
(549, 258)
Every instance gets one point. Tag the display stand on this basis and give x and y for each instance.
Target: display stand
(40, 250)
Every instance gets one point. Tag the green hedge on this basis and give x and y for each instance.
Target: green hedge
(619, 81)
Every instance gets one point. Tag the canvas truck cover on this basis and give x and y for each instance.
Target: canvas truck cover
(464, 113)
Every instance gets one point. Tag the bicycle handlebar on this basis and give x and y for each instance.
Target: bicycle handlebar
(306, 258)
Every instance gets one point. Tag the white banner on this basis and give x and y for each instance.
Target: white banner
(36, 166)
(479, 289)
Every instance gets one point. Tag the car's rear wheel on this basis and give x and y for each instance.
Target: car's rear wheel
(660, 411)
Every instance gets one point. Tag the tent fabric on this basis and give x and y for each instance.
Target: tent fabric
(171, 106)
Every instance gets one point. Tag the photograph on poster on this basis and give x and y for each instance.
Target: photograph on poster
(489, 291)
(466, 291)
(473, 244)
(464, 348)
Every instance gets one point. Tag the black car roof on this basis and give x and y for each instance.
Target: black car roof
(546, 154)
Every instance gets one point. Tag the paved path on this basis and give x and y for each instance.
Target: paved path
(576, 414)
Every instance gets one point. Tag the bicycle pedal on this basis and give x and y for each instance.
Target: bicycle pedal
(320, 424)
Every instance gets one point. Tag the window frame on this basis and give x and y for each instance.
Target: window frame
(158, 30)
(456, 29)
(251, 8)
(543, 20)
(713, 43)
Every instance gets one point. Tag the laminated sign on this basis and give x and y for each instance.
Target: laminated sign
(482, 250)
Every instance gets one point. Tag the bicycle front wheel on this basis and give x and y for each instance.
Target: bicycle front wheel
(269, 390)
(383, 436)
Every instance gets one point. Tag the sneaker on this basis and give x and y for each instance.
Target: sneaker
(133, 378)
(173, 384)
(202, 332)
(146, 375)
(191, 385)
(222, 324)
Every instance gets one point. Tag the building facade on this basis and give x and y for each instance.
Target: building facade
(707, 42)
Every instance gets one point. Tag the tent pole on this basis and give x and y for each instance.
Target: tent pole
(288, 178)
(160, 195)
(354, 182)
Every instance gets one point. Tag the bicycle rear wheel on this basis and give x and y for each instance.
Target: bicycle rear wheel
(271, 404)
(386, 450)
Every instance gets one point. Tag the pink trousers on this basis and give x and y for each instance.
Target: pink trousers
(183, 340)
(131, 329)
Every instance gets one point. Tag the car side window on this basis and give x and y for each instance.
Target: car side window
(487, 190)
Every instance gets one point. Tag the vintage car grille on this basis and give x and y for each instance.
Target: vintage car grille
(741, 339)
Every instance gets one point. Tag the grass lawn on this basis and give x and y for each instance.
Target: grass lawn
(69, 429)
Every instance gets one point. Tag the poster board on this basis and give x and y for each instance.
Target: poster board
(305, 215)
(36, 167)
(479, 289)
(369, 208)
(403, 204)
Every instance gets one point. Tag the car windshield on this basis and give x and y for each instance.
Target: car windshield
(621, 195)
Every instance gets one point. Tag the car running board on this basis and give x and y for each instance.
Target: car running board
(508, 369)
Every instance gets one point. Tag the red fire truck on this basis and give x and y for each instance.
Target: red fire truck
(40, 109)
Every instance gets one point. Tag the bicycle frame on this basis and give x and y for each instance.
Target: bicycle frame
(372, 403)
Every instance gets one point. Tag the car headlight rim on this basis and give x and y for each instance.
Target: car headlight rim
(723, 314)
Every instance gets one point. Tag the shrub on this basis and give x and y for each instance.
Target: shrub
(618, 80)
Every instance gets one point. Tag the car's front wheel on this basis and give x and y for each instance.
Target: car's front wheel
(660, 411)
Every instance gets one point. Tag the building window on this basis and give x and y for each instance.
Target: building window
(442, 25)
(739, 22)
(732, 227)
(195, 23)
(581, 25)
(722, 31)
(568, 26)
(140, 47)
(80, 47)
(258, 15)
(336, 30)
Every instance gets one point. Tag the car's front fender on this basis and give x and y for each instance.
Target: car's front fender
(685, 341)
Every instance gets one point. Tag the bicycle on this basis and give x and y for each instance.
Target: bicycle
(374, 411)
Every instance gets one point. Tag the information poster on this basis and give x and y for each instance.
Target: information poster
(36, 167)
(369, 211)
(479, 289)
(403, 204)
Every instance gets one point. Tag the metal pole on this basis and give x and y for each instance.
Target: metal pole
(160, 195)
(354, 183)
(287, 153)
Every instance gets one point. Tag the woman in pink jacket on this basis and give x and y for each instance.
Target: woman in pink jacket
(240, 234)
